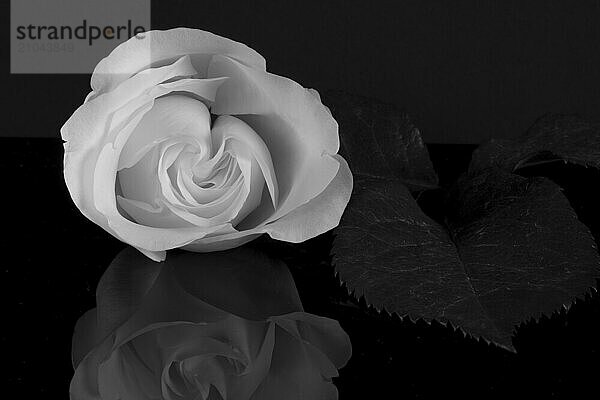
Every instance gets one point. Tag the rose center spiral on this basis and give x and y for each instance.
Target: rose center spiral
(176, 170)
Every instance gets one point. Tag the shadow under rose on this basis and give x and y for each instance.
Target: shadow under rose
(227, 325)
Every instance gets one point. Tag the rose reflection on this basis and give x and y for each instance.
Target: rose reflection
(226, 325)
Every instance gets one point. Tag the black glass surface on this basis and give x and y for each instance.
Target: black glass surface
(52, 259)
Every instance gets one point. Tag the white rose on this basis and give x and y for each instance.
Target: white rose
(226, 325)
(144, 160)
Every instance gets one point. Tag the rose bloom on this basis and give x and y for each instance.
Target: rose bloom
(186, 141)
(211, 326)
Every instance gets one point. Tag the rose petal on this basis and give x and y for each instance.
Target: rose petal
(293, 372)
(318, 358)
(258, 370)
(125, 376)
(157, 256)
(198, 352)
(201, 90)
(324, 334)
(320, 214)
(145, 237)
(227, 127)
(85, 336)
(85, 130)
(220, 211)
(180, 115)
(169, 152)
(87, 123)
(315, 93)
(248, 343)
(157, 46)
(84, 384)
(140, 182)
(254, 183)
(171, 116)
(166, 304)
(197, 194)
(309, 220)
(136, 295)
(293, 123)
(157, 217)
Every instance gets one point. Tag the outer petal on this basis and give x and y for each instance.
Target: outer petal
(318, 216)
(156, 47)
(85, 336)
(85, 165)
(295, 372)
(224, 242)
(322, 333)
(84, 385)
(86, 130)
(120, 291)
(88, 122)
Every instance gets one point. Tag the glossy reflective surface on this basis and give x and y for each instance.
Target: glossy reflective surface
(225, 325)
(53, 259)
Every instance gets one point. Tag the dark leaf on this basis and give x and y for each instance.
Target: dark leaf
(551, 138)
(518, 251)
(380, 140)
(575, 182)
(522, 246)
(387, 250)
(513, 247)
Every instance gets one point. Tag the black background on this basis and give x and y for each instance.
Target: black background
(465, 71)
